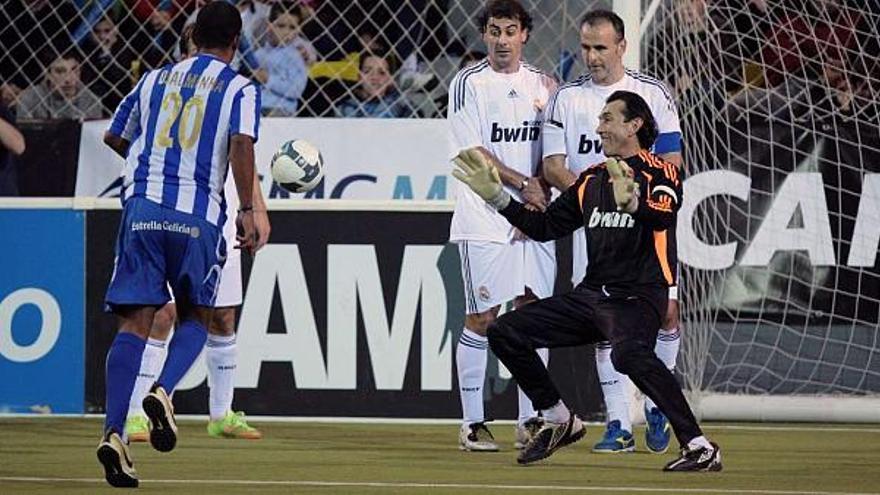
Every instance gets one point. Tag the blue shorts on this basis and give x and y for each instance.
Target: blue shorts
(156, 245)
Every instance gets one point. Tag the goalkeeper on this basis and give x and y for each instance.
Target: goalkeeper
(624, 206)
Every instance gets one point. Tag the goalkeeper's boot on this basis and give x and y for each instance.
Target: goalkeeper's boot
(137, 428)
(113, 454)
(475, 437)
(163, 428)
(697, 458)
(615, 440)
(233, 425)
(552, 437)
(657, 431)
(526, 431)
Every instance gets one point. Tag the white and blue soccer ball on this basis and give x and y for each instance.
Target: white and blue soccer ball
(298, 166)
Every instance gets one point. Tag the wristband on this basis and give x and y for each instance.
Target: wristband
(523, 184)
(246, 209)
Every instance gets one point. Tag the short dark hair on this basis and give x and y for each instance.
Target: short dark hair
(505, 9)
(217, 26)
(48, 55)
(286, 7)
(594, 17)
(384, 54)
(636, 107)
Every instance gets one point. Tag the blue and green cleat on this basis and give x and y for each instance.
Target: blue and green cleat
(615, 440)
(657, 431)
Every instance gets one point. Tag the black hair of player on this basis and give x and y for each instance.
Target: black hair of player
(505, 9)
(636, 107)
(594, 17)
(286, 7)
(217, 26)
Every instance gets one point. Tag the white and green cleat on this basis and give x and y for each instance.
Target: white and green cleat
(233, 425)
(137, 428)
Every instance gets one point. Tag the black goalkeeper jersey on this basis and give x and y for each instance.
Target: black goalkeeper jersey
(625, 252)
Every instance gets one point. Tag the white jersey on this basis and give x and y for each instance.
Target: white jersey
(502, 113)
(573, 115)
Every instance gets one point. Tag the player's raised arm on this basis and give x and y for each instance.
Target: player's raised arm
(662, 194)
(561, 218)
(464, 123)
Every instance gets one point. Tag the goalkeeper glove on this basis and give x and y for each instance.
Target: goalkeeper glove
(626, 189)
(481, 176)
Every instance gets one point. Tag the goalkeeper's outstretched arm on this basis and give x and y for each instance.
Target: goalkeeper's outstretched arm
(562, 217)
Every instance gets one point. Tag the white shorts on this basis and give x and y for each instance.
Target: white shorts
(229, 290)
(494, 272)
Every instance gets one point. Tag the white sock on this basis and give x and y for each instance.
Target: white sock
(614, 387)
(666, 348)
(557, 414)
(220, 358)
(526, 410)
(151, 365)
(470, 360)
(698, 442)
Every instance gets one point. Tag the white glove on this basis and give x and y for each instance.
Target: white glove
(626, 189)
(481, 176)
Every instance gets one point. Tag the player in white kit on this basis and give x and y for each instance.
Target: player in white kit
(570, 145)
(220, 348)
(497, 105)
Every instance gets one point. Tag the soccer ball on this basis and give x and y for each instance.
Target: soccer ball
(298, 166)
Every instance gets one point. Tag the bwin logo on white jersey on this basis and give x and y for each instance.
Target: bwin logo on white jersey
(530, 131)
(611, 219)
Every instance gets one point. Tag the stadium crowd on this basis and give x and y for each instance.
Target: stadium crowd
(76, 59)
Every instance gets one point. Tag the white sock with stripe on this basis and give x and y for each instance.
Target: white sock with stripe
(220, 352)
(615, 386)
(470, 361)
(666, 348)
(151, 365)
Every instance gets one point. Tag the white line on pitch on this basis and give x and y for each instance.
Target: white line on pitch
(808, 427)
(462, 486)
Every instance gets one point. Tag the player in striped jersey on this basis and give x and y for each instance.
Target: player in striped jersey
(221, 348)
(571, 145)
(179, 130)
(496, 105)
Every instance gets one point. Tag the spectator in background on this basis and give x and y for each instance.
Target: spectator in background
(11, 143)
(109, 67)
(375, 94)
(282, 69)
(155, 24)
(61, 95)
(28, 27)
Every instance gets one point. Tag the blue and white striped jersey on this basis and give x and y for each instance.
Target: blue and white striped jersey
(179, 120)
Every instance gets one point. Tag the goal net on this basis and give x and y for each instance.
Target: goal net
(780, 228)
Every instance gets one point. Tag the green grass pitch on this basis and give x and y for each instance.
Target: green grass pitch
(57, 456)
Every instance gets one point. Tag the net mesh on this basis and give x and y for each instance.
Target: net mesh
(783, 96)
(776, 92)
(306, 53)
